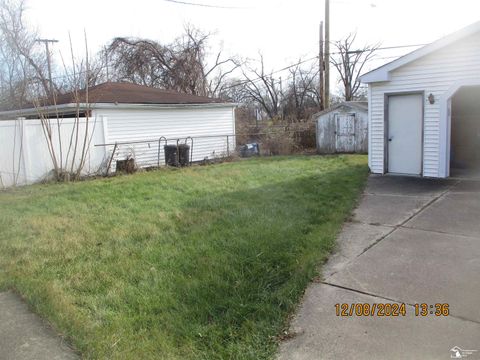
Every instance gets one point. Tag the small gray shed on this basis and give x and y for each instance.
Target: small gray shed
(343, 128)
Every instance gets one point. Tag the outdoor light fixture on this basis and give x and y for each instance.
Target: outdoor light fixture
(431, 99)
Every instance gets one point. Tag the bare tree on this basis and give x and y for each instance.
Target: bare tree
(13, 84)
(233, 90)
(294, 99)
(69, 157)
(24, 82)
(180, 66)
(201, 77)
(262, 88)
(302, 97)
(350, 63)
(20, 49)
(19, 64)
(24, 71)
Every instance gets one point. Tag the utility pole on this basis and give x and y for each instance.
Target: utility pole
(320, 70)
(49, 65)
(327, 54)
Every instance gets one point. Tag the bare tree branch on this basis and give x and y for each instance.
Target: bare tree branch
(179, 66)
(350, 63)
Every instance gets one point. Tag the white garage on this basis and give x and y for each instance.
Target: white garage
(424, 109)
(124, 120)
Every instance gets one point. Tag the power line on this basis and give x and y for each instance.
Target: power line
(289, 66)
(273, 72)
(255, 80)
(203, 5)
(399, 46)
(316, 57)
(387, 57)
(381, 48)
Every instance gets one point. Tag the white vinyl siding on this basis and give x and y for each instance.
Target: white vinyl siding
(434, 73)
(127, 125)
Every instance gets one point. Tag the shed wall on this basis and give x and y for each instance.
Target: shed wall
(434, 73)
(327, 131)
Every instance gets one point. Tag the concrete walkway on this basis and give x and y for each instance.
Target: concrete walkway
(24, 336)
(410, 241)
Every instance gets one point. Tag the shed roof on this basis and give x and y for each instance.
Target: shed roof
(354, 105)
(383, 72)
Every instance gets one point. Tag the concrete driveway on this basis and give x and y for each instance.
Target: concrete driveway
(410, 241)
(25, 336)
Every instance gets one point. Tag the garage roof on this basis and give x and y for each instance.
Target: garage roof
(127, 93)
(383, 72)
(114, 95)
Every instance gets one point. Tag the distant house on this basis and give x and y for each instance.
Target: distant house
(343, 128)
(424, 109)
(133, 116)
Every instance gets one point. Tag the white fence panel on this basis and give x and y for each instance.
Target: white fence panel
(25, 157)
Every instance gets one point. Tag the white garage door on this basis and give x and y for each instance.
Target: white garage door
(405, 121)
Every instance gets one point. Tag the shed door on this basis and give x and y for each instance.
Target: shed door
(345, 133)
(405, 121)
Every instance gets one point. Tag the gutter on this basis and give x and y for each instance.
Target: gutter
(63, 108)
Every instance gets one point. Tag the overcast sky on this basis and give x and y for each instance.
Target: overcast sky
(283, 30)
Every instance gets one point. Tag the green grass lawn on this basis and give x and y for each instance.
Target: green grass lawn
(198, 263)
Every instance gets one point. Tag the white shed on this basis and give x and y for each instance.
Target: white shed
(343, 128)
(424, 109)
(133, 117)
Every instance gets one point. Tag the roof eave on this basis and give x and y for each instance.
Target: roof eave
(161, 106)
(62, 108)
(373, 77)
(325, 111)
(350, 104)
(38, 111)
(382, 73)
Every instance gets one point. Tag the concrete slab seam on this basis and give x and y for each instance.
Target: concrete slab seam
(437, 232)
(396, 227)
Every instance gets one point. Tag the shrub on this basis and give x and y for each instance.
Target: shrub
(279, 139)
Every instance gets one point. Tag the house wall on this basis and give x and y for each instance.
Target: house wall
(327, 130)
(208, 127)
(435, 73)
(25, 156)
